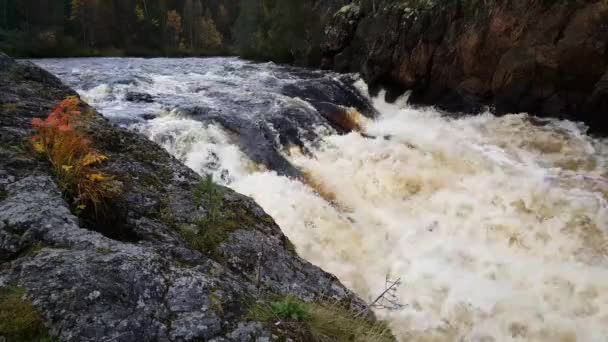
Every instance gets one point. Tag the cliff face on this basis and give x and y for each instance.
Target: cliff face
(134, 276)
(549, 58)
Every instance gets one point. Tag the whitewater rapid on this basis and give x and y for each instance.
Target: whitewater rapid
(496, 226)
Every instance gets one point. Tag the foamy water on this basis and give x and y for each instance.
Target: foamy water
(497, 227)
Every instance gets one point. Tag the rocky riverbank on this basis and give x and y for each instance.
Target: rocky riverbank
(548, 58)
(147, 270)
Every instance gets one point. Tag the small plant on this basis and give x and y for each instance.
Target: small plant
(208, 193)
(72, 157)
(19, 319)
(388, 299)
(293, 318)
(290, 309)
(221, 218)
(213, 229)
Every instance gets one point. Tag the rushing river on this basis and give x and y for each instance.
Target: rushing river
(497, 226)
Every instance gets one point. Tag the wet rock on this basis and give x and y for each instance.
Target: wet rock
(139, 97)
(318, 93)
(132, 276)
(546, 58)
(339, 31)
(149, 116)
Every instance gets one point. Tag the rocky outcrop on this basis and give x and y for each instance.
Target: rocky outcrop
(549, 58)
(132, 276)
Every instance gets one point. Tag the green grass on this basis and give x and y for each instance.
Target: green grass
(222, 217)
(206, 192)
(215, 227)
(217, 303)
(19, 319)
(290, 317)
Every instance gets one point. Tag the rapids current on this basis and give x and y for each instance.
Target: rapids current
(496, 226)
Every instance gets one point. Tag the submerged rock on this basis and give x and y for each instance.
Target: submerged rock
(133, 276)
(139, 97)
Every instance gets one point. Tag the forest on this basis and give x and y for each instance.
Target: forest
(279, 30)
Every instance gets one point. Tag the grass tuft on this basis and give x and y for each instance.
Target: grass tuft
(215, 227)
(223, 217)
(293, 318)
(19, 319)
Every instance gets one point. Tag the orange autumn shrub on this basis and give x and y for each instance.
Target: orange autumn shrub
(73, 159)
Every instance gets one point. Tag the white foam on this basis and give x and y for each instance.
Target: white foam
(487, 243)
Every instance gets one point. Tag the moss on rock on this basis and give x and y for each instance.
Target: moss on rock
(20, 321)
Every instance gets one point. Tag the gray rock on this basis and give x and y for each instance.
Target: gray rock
(131, 276)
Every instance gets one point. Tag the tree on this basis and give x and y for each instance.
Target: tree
(223, 18)
(247, 27)
(173, 28)
(139, 13)
(211, 39)
(4, 7)
(79, 14)
(197, 13)
(189, 22)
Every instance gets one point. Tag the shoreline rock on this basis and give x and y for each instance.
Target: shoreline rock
(134, 277)
(546, 58)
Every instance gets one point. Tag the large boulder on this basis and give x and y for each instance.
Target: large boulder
(543, 57)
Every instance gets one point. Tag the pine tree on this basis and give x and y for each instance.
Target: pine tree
(247, 27)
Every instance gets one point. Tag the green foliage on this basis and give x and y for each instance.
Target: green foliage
(293, 318)
(246, 27)
(278, 30)
(211, 38)
(108, 28)
(19, 319)
(206, 236)
(217, 303)
(139, 13)
(209, 193)
(3, 195)
(215, 227)
(222, 217)
(290, 309)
